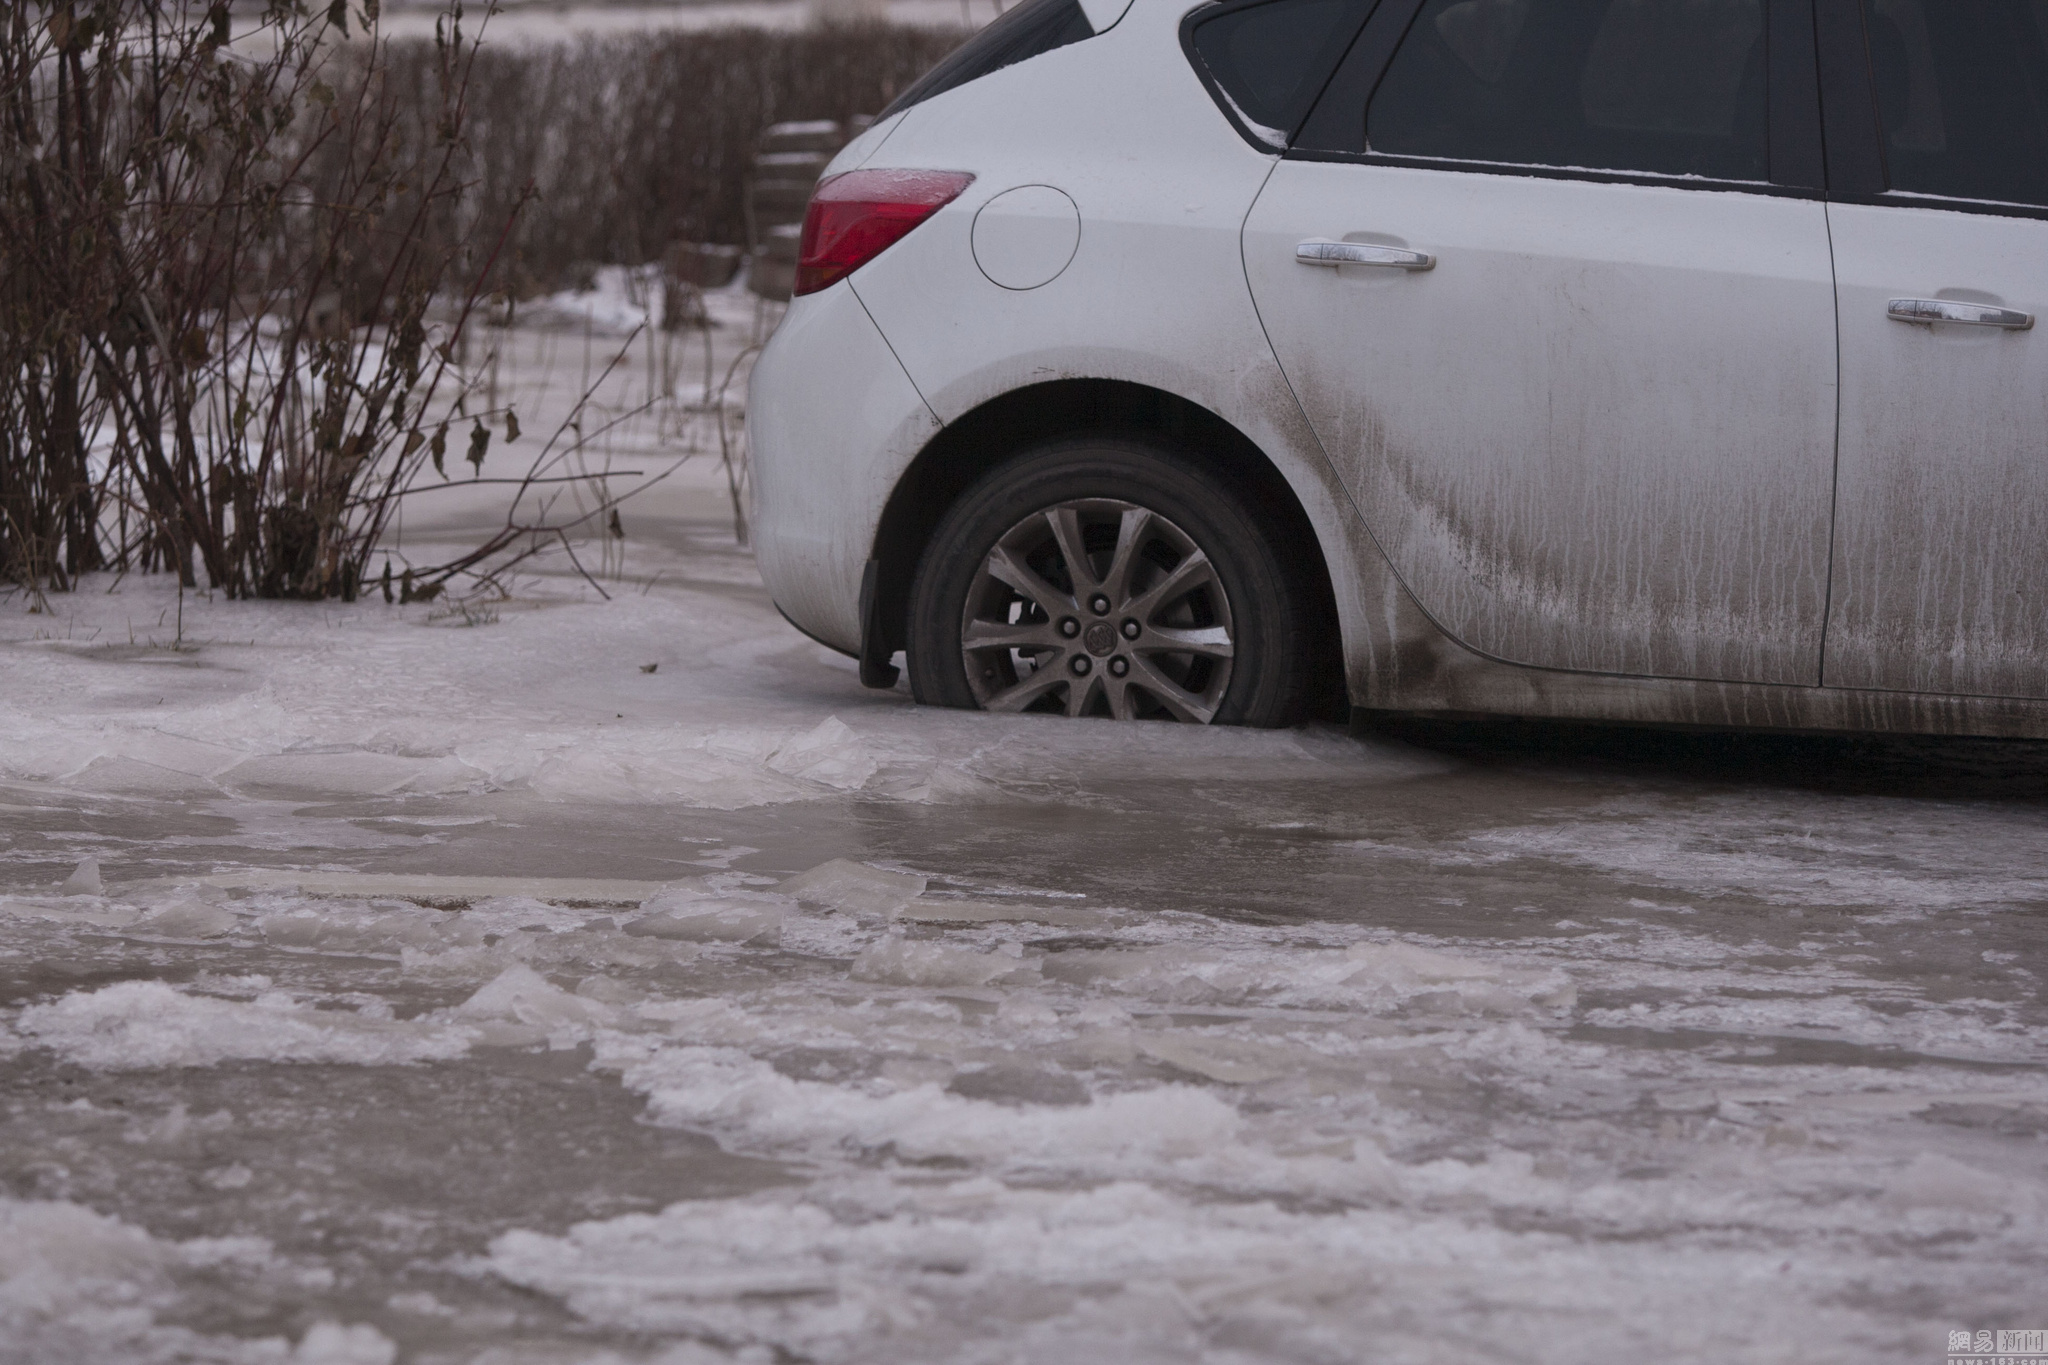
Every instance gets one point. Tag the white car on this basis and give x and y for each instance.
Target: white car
(1632, 360)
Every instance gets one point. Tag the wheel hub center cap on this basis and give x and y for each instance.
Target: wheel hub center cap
(1100, 638)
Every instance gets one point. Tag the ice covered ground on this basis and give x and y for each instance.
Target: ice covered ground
(449, 985)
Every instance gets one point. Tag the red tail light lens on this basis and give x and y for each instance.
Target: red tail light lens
(855, 216)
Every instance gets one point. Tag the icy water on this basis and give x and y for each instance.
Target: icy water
(467, 993)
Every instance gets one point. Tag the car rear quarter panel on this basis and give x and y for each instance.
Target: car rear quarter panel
(832, 422)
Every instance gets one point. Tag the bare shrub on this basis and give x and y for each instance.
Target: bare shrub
(221, 272)
(235, 277)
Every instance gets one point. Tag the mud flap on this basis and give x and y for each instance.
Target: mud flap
(875, 669)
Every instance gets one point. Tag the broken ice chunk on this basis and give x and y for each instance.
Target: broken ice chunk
(292, 930)
(189, 919)
(1931, 1180)
(524, 996)
(908, 963)
(854, 887)
(85, 881)
(831, 754)
(330, 1343)
(709, 921)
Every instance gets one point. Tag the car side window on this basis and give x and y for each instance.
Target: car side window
(1269, 61)
(1962, 96)
(1659, 87)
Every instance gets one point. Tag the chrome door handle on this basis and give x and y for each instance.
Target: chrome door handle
(1320, 252)
(1949, 310)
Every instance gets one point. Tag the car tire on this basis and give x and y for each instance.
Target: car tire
(1183, 609)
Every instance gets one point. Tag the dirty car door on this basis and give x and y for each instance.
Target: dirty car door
(1940, 224)
(1573, 350)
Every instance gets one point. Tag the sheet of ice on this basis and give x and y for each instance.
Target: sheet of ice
(1243, 1203)
(364, 703)
(1177, 1137)
(1846, 852)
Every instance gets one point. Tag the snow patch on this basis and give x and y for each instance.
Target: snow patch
(871, 1271)
(76, 1285)
(1368, 976)
(757, 1108)
(135, 1025)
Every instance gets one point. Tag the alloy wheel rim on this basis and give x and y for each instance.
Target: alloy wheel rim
(1098, 607)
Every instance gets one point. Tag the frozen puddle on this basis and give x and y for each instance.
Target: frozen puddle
(1009, 1127)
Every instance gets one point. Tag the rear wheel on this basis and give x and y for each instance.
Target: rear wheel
(1107, 577)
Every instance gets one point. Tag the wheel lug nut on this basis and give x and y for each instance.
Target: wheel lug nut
(1069, 627)
(1119, 665)
(1099, 605)
(1131, 628)
(1081, 665)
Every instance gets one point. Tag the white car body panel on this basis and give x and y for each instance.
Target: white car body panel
(1147, 296)
(863, 148)
(1549, 431)
(1941, 535)
(815, 433)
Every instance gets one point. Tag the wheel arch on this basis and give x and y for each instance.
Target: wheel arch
(985, 436)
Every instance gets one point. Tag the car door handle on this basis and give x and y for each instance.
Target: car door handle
(1949, 310)
(1317, 251)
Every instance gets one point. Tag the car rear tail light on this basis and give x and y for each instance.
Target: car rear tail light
(855, 216)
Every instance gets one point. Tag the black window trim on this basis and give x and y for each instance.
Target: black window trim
(1582, 173)
(942, 76)
(1791, 86)
(1857, 173)
(1202, 14)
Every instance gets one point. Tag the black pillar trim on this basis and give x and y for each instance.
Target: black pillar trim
(1848, 103)
(1797, 157)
